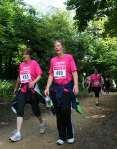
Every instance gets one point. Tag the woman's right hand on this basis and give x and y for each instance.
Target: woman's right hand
(46, 92)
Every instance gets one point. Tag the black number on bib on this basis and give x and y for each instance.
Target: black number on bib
(25, 77)
(59, 73)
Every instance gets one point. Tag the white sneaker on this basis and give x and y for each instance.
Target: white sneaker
(60, 142)
(97, 103)
(16, 137)
(71, 141)
(42, 128)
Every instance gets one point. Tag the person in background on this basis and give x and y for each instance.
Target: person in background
(114, 86)
(96, 84)
(107, 84)
(102, 87)
(29, 74)
(88, 85)
(63, 73)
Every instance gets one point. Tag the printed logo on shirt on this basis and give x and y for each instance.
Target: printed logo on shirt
(59, 70)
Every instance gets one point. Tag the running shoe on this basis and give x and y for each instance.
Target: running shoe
(97, 103)
(60, 142)
(16, 136)
(71, 141)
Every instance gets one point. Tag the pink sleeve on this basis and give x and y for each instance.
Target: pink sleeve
(51, 68)
(38, 69)
(73, 64)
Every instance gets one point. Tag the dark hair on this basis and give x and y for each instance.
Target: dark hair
(27, 51)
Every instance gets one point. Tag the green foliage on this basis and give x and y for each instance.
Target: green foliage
(21, 26)
(111, 24)
(92, 49)
(6, 88)
(87, 10)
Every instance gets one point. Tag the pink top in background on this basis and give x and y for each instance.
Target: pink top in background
(95, 80)
(61, 68)
(29, 71)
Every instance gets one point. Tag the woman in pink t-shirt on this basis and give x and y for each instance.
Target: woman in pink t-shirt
(29, 74)
(63, 73)
(96, 84)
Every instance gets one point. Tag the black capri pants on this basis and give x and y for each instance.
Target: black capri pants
(22, 100)
(96, 90)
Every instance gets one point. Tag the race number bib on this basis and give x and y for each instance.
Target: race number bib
(96, 83)
(60, 70)
(59, 73)
(25, 77)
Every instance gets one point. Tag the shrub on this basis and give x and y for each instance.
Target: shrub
(6, 89)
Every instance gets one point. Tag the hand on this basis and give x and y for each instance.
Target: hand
(14, 91)
(31, 84)
(46, 92)
(75, 90)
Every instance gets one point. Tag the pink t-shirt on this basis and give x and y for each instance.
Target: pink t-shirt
(95, 80)
(29, 71)
(61, 68)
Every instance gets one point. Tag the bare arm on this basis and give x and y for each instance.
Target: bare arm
(75, 79)
(50, 80)
(49, 83)
(31, 84)
(37, 79)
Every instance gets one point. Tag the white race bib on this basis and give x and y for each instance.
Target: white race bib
(59, 73)
(59, 70)
(96, 83)
(25, 77)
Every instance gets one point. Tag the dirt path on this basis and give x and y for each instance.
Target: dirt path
(96, 128)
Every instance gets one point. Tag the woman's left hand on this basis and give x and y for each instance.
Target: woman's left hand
(75, 90)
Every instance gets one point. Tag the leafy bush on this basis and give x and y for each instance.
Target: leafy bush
(6, 89)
